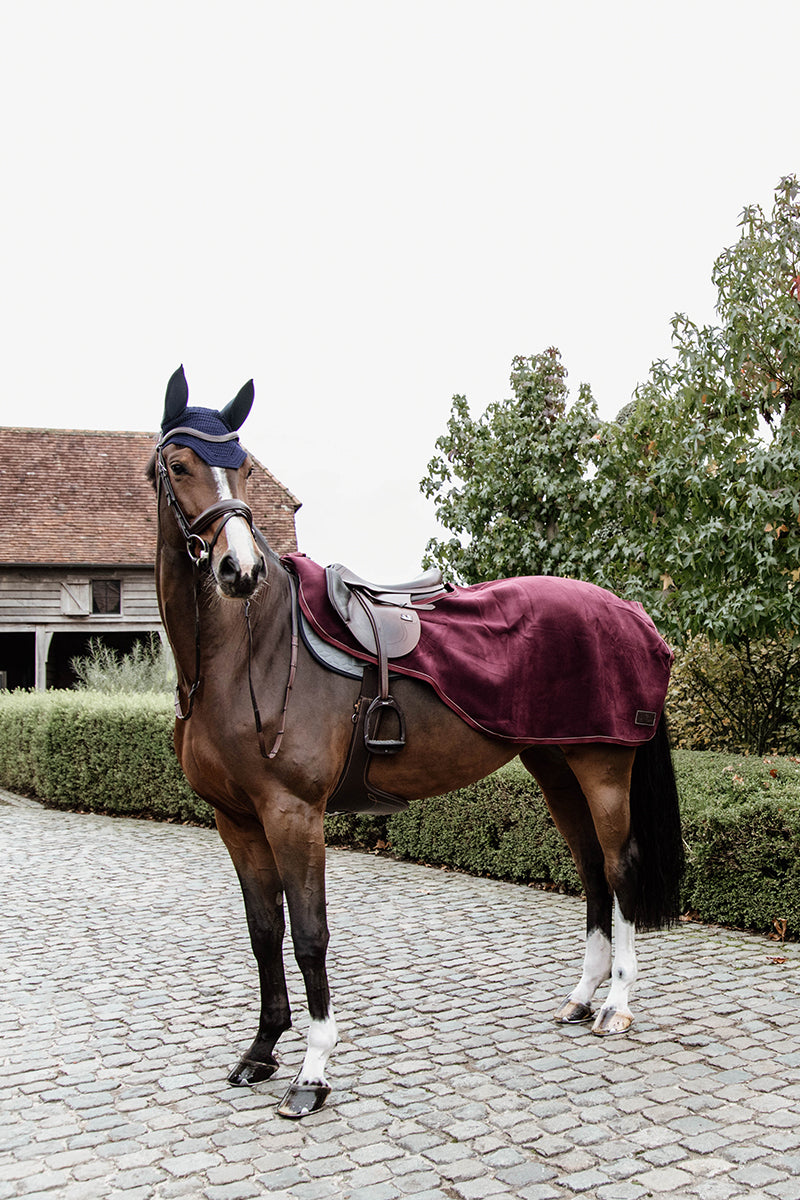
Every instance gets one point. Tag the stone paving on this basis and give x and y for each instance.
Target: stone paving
(128, 988)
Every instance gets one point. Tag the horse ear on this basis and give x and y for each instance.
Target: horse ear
(177, 397)
(235, 413)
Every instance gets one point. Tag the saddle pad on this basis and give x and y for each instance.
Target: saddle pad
(536, 660)
(328, 655)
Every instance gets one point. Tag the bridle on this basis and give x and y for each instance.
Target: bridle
(200, 551)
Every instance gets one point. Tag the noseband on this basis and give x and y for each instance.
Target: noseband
(198, 549)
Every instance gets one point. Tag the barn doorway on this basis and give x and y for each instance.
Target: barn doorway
(17, 660)
(66, 646)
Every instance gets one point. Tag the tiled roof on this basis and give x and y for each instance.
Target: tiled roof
(79, 496)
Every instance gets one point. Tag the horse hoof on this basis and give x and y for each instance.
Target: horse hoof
(571, 1013)
(302, 1099)
(609, 1022)
(247, 1072)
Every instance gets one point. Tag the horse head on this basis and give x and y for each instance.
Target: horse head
(201, 472)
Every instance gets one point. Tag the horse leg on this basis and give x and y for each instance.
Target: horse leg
(300, 853)
(570, 812)
(604, 774)
(263, 902)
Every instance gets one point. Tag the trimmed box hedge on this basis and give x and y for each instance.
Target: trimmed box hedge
(741, 826)
(96, 753)
(741, 815)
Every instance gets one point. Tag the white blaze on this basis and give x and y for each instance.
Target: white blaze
(237, 531)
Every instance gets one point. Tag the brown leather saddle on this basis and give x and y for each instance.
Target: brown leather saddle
(384, 620)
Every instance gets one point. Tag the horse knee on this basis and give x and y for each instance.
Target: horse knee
(310, 947)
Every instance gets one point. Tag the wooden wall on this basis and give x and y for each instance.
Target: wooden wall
(46, 602)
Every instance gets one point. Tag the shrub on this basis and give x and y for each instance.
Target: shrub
(741, 823)
(499, 826)
(99, 753)
(358, 830)
(741, 815)
(23, 717)
(149, 667)
(743, 698)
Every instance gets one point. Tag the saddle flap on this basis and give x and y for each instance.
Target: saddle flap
(398, 624)
(339, 593)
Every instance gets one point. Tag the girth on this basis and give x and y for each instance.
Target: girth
(353, 792)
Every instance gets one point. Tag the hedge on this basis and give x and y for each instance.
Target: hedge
(741, 815)
(96, 753)
(741, 826)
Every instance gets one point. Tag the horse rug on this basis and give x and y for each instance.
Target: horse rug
(535, 660)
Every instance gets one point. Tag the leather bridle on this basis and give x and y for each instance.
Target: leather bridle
(198, 549)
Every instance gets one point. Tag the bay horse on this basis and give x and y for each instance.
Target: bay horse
(246, 682)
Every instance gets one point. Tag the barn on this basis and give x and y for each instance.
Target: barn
(78, 543)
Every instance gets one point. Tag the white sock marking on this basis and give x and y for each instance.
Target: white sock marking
(596, 967)
(623, 973)
(322, 1037)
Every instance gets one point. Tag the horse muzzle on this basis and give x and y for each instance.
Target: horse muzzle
(235, 580)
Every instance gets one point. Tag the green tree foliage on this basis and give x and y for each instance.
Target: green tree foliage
(698, 487)
(743, 697)
(690, 501)
(512, 486)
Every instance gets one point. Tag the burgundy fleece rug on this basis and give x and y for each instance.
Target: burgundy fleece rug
(537, 659)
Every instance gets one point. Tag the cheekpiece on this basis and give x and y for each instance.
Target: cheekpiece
(227, 453)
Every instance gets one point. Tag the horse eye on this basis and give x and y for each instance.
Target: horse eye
(250, 472)
(177, 468)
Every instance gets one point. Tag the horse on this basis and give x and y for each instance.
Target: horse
(263, 729)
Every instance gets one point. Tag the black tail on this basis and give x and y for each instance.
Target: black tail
(656, 831)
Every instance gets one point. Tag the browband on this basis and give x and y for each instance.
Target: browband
(197, 433)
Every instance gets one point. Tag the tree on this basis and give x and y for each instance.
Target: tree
(701, 483)
(512, 486)
(688, 502)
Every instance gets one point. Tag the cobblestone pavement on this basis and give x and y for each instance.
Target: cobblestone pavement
(128, 989)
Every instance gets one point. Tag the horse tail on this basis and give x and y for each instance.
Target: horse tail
(656, 833)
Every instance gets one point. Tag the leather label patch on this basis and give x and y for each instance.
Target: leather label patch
(645, 718)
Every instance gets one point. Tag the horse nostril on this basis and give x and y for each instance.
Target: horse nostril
(228, 568)
(236, 580)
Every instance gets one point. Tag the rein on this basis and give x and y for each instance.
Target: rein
(200, 552)
(289, 683)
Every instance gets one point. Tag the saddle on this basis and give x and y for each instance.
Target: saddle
(384, 619)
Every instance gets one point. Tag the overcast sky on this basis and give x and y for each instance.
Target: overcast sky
(368, 207)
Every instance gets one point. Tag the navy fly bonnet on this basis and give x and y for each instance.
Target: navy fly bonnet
(217, 442)
(227, 453)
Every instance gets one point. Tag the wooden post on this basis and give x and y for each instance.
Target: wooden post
(43, 639)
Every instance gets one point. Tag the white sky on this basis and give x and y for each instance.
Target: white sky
(368, 206)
